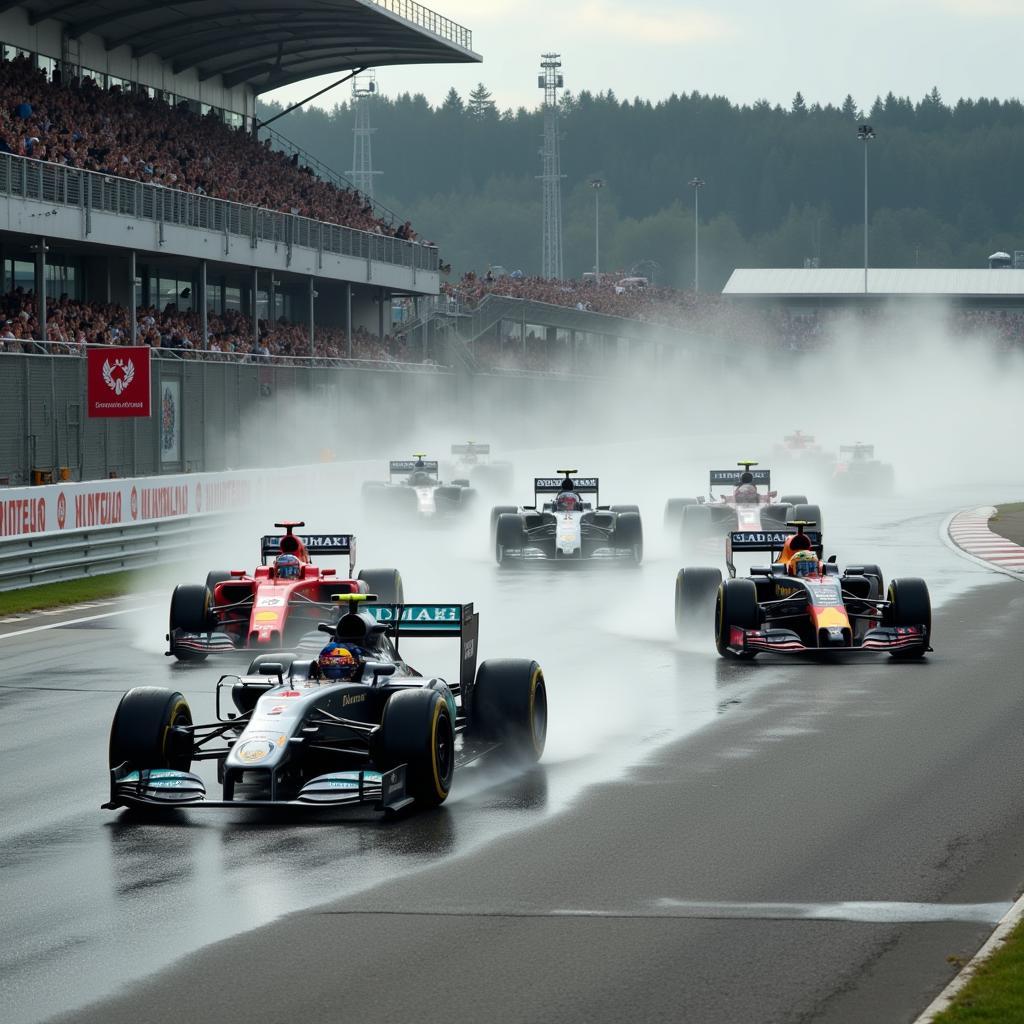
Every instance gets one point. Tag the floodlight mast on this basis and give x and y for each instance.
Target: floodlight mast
(550, 80)
(364, 88)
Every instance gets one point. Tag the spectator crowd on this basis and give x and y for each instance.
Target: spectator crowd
(127, 133)
(71, 325)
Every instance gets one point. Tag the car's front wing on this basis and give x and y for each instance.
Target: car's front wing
(169, 788)
(880, 640)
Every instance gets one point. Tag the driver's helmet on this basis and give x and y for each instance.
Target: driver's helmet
(803, 563)
(420, 477)
(287, 567)
(746, 494)
(340, 662)
(568, 501)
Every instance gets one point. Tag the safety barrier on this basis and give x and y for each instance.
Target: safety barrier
(31, 560)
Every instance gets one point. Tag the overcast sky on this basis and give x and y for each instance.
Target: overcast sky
(742, 49)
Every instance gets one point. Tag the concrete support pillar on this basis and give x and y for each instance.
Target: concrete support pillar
(41, 286)
(204, 320)
(348, 317)
(380, 314)
(312, 296)
(255, 307)
(133, 300)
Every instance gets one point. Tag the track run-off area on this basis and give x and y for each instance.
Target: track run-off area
(703, 841)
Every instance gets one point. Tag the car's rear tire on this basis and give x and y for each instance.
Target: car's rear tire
(674, 511)
(775, 516)
(793, 499)
(510, 707)
(629, 535)
(624, 508)
(416, 730)
(909, 605)
(735, 605)
(509, 535)
(805, 513)
(385, 583)
(140, 732)
(695, 524)
(190, 613)
(696, 590)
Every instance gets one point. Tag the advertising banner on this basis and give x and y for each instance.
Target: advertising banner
(170, 421)
(118, 381)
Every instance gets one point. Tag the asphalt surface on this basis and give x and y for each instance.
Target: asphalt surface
(703, 841)
(1009, 523)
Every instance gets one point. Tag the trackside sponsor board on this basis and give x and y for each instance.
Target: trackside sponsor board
(117, 381)
(731, 477)
(29, 511)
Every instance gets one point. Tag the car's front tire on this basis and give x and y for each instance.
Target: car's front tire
(416, 730)
(141, 733)
(696, 590)
(736, 605)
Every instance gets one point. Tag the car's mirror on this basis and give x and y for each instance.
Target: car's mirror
(380, 668)
(271, 668)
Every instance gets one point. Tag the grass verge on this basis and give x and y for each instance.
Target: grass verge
(53, 595)
(1010, 509)
(995, 995)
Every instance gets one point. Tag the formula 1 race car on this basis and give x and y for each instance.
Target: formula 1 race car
(473, 467)
(858, 472)
(377, 733)
(278, 603)
(743, 508)
(413, 489)
(800, 604)
(567, 528)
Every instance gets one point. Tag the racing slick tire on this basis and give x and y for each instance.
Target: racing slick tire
(805, 513)
(776, 516)
(385, 583)
(793, 499)
(508, 535)
(498, 511)
(736, 605)
(696, 590)
(140, 732)
(629, 535)
(190, 612)
(909, 605)
(674, 511)
(624, 508)
(510, 707)
(416, 730)
(695, 523)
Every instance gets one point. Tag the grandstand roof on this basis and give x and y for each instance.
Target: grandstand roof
(809, 283)
(266, 43)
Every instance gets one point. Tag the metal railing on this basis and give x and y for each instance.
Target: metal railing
(430, 20)
(71, 350)
(31, 560)
(26, 178)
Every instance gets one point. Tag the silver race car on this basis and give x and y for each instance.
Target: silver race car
(566, 528)
(414, 489)
(355, 725)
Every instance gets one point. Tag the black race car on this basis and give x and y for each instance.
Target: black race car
(390, 737)
(800, 604)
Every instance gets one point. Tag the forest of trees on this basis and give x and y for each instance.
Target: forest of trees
(782, 185)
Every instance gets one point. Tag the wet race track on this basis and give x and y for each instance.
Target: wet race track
(703, 841)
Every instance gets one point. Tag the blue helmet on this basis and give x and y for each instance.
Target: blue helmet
(287, 567)
(341, 662)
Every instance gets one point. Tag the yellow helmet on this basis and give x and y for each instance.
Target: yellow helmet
(803, 563)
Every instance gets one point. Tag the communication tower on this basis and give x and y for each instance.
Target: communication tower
(550, 80)
(364, 88)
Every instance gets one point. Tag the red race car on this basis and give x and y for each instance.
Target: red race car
(275, 606)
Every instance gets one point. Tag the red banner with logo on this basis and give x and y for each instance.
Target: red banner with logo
(118, 381)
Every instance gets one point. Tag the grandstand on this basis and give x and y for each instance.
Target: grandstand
(133, 177)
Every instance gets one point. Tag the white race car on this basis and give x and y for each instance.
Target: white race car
(472, 466)
(567, 528)
(413, 489)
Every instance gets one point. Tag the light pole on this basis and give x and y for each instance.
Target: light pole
(597, 184)
(865, 133)
(696, 184)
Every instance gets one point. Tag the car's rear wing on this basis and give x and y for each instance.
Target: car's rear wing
(471, 449)
(731, 477)
(403, 467)
(772, 541)
(434, 620)
(315, 543)
(858, 451)
(557, 484)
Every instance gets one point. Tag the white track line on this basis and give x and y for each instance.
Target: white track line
(68, 622)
